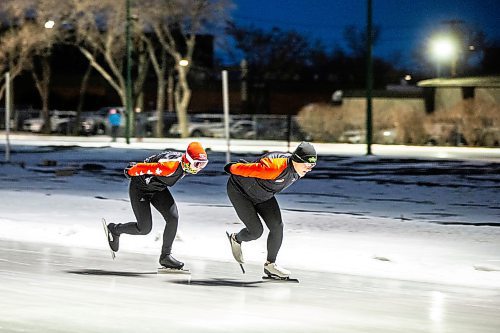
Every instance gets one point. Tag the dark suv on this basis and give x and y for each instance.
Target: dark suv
(96, 122)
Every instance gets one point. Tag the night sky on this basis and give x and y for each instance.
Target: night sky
(404, 23)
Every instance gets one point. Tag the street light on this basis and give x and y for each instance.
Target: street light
(183, 63)
(49, 24)
(444, 48)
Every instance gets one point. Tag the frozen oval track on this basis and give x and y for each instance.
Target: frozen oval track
(47, 288)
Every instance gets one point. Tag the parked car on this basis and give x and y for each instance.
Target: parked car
(385, 136)
(60, 122)
(239, 129)
(352, 136)
(96, 122)
(169, 119)
(279, 128)
(444, 134)
(202, 125)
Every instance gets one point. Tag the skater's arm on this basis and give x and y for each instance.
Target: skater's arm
(265, 168)
(156, 169)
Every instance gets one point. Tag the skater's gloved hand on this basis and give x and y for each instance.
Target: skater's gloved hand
(129, 166)
(227, 167)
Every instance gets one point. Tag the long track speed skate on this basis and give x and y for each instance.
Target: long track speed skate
(170, 265)
(279, 279)
(231, 243)
(108, 234)
(277, 273)
(165, 270)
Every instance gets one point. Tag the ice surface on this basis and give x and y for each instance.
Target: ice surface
(381, 216)
(49, 288)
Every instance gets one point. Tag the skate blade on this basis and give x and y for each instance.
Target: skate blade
(106, 233)
(165, 270)
(279, 279)
(240, 263)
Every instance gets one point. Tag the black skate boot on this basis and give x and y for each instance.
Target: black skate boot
(168, 261)
(113, 239)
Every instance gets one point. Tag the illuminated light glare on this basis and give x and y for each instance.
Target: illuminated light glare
(443, 48)
(472, 48)
(387, 133)
(408, 77)
(437, 306)
(49, 24)
(183, 63)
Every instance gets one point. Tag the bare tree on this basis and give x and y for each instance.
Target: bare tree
(274, 54)
(41, 71)
(159, 62)
(28, 42)
(175, 24)
(99, 30)
(99, 27)
(15, 50)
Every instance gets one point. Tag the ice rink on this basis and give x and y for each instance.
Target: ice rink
(48, 288)
(407, 241)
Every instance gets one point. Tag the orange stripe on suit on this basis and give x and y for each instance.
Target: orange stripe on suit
(266, 168)
(163, 169)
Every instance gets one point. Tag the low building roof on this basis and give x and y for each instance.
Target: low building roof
(457, 82)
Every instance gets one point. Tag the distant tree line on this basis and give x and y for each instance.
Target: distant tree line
(287, 55)
(277, 56)
(290, 56)
(164, 35)
(165, 41)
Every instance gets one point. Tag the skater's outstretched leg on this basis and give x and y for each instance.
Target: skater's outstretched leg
(140, 202)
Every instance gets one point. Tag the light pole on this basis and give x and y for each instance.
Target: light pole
(369, 77)
(7, 116)
(128, 83)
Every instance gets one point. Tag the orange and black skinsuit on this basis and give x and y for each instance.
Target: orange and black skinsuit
(149, 183)
(251, 189)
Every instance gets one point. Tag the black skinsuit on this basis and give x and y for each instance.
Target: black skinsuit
(251, 189)
(146, 190)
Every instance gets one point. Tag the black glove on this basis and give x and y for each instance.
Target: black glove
(227, 167)
(129, 166)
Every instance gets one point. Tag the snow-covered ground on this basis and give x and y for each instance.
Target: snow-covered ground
(394, 215)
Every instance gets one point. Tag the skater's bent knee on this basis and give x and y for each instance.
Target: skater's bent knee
(143, 230)
(255, 233)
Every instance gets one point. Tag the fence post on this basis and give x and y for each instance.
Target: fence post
(225, 103)
(7, 116)
(289, 131)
